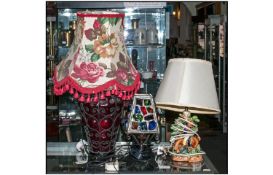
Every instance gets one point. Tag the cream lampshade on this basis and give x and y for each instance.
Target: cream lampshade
(188, 83)
(188, 86)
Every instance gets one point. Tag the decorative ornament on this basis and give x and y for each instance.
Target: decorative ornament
(185, 140)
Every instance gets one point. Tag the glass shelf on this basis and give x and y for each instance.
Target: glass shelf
(51, 107)
(61, 158)
(145, 45)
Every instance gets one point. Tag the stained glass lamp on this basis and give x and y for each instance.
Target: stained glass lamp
(142, 126)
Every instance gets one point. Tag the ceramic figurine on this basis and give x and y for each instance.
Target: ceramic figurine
(185, 140)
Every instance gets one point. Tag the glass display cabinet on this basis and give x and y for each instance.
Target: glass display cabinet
(145, 39)
(199, 40)
(210, 43)
(52, 123)
(216, 52)
(146, 44)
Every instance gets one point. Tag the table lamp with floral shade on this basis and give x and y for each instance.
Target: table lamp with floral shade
(188, 87)
(98, 72)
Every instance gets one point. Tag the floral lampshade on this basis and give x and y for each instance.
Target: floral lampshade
(97, 63)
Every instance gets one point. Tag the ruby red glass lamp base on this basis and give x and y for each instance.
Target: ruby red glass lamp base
(102, 121)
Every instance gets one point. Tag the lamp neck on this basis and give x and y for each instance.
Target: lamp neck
(186, 114)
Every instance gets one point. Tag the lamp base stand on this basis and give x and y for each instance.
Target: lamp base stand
(141, 152)
(191, 159)
(98, 158)
(185, 140)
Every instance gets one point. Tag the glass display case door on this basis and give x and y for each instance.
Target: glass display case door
(216, 53)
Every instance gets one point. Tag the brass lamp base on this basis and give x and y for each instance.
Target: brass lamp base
(191, 159)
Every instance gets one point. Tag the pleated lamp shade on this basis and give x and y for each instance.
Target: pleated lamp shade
(188, 83)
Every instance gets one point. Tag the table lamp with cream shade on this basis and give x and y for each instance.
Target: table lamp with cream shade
(188, 87)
